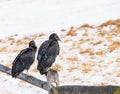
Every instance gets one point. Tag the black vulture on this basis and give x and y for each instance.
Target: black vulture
(24, 59)
(47, 53)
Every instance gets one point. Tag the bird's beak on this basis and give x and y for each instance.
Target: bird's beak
(58, 38)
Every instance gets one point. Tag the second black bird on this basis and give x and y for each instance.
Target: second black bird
(47, 53)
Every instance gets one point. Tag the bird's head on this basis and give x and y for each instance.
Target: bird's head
(32, 44)
(54, 36)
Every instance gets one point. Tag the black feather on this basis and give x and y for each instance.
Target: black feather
(24, 59)
(47, 53)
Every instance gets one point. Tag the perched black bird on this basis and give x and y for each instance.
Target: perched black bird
(47, 53)
(24, 59)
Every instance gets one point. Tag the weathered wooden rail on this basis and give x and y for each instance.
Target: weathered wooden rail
(86, 90)
(30, 79)
(65, 89)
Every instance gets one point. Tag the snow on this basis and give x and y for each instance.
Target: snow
(30, 16)
(85, 59)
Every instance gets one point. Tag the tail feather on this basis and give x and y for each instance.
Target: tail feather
(42, 69)
(14, 75)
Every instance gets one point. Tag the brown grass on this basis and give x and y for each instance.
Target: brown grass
(86, 67)
(15, 34)
(21, 81)
(40, 35)
(118, 60)
(73, 68)
(1, 40)
(75, 58)
(86, 26)
(118, 75)
(34, 70)
(66, 40)
(15, 50)
(76, 78)
(12, 42)
(72, 32)
(116, 31)
(85, 34)
(58, 67)
(10, 39)
(101, 84)
(114, 46)
(9, 65)
(1, 72)
(19, 42)
(26, 38)
(63, 30)
(4, 49)
(88, 50)
(82, 41)
(111, 22)
(109, 38)
(100, 53)
(102, 32)
(97, 43)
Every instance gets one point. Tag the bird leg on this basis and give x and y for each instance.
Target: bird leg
(47, 69)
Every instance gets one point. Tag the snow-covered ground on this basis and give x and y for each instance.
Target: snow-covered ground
(30, 16)
(89, 54)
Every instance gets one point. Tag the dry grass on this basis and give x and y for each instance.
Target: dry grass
(74, 58)
(21, 81)
(109, 38)
(1, 40)
(118, 75)
(86, 67)
(16, 50)
(4, 49)
(86, 26)
(85, 34)
(100, 53)
(88, 50)
(1, 72)
(102, 32)
(67, 40)
(40, 35)
(116, 31)
(19, 42)
(72, 32)
(63, 30)
(102, 84)
(82, 41)
(73, 68)
(11, 38)
(117, 59)
(76, 78)
(97, 43)
(58, 67)
(111, 22)
(9, 64)
(34, 70)
(114, 46)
